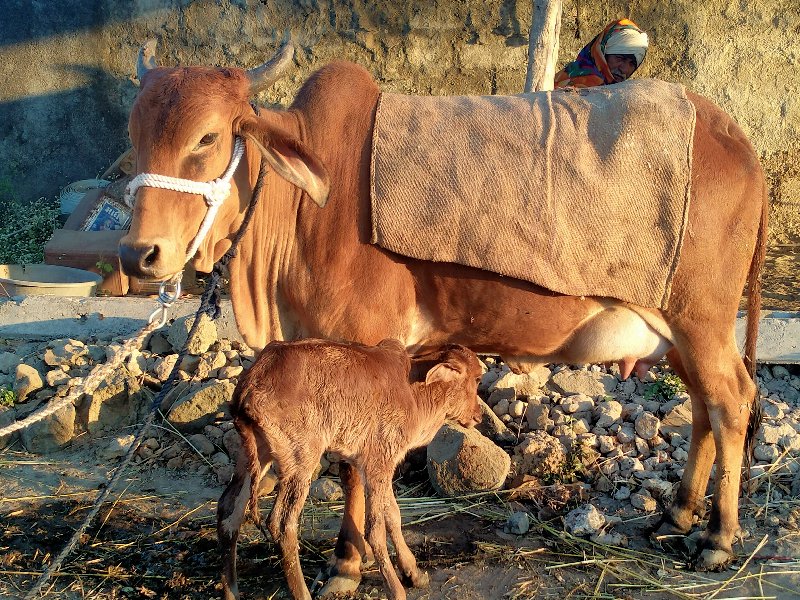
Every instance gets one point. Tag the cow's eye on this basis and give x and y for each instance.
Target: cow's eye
(207, 140)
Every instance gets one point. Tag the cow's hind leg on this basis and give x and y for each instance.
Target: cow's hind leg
(719, 382)
(344, 573)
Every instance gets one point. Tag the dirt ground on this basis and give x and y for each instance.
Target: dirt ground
(781, 282)
(155, 538)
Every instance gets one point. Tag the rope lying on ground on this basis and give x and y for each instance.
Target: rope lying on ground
(209, 305)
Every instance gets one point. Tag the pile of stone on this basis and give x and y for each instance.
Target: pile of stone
(623, 437)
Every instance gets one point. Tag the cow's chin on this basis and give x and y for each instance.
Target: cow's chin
(204, 261)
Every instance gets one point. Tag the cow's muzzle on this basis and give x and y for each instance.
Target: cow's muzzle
(140, 260)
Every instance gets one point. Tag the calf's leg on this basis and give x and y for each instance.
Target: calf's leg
(379, 488)
(283, 524)
(412, 575)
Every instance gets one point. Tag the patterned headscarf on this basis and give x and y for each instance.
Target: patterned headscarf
(591, 68)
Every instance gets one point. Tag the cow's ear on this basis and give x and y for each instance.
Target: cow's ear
(291, 158)
(443, 372)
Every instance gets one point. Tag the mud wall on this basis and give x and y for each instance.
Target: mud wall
(67, 72)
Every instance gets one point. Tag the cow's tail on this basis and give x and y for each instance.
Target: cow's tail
(751, 335)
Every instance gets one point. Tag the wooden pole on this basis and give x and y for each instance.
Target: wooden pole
(543, 45)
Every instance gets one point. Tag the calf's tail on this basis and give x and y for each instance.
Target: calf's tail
(250, 450)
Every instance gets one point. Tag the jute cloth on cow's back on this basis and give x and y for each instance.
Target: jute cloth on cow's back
(581, 192)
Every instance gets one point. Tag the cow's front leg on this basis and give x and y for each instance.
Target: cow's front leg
(344, 573)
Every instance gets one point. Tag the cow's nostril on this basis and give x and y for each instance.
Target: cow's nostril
(150, 256)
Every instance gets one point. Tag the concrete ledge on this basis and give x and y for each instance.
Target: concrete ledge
(48, 317)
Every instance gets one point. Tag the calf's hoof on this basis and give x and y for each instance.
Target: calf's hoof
(668, 537)
(339, 584)
(419, 579)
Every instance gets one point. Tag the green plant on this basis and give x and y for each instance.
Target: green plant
(664, 388)
(7, 397)
(104, 267)
(25, 227)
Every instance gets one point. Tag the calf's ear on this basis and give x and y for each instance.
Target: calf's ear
(442, 372)
(291, 158)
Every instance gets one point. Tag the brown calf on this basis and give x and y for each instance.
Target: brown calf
(302, 398)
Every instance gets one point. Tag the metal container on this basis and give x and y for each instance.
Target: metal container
(37, 280)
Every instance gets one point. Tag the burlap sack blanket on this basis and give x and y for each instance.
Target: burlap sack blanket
(584, 193)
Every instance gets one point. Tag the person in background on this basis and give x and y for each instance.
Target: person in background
(611, 57)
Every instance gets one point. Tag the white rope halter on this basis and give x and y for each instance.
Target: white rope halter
(215, 192)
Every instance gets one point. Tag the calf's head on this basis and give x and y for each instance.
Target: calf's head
(183, 125)
(459, 368)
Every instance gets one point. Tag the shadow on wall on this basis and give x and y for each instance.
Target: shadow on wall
(49, 141)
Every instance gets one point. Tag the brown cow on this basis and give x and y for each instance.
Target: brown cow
(304, 271)
(302, 398)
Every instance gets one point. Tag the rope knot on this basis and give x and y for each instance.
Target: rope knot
(218, 191)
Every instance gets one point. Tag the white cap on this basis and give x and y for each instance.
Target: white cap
(628, 41)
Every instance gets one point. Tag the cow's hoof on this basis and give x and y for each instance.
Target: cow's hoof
(712, 560)
(339, 584)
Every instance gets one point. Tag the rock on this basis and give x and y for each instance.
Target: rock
(232, 443)
(659, 489)
(607, 413)
(7, 417)
(72, 353)
(164, 365)
(9, 362)
(176, 462)
(678, 420)
(606, 443)
(626, 434)
(631, 411)
(326, 490)
(158, 343)
(538, 417)
(540, 455)
(680, 455)
(27, 381)
(766, 453)
(643, 501)
(199, 407)
(51, 433)
(518, 523)
(623, 493)
(584, 520)
(230, 372)
(577, 403)
(219, 458)
(570, 382)
(501, 407)
(462, 461)
(610, 539)
(772, 411)
(501, 395)
(487, 379)
(178, 391)
(224, 473)
(214, 434)
(56, 377)
(202, 444)
(205, 336)
(492, 427)
(774, 434)
(136, 363)
(780, 372)
(630, 465)
(209, 362)
(526, 384)
(118, 401)
(516, 409)
(647, 425)
(118, 447)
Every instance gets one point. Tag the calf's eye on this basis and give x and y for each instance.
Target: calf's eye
(207, 140)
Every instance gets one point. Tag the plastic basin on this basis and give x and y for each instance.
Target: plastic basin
(52, 280)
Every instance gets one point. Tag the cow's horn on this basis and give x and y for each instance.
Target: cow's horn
(147, 58)
(265, 75)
